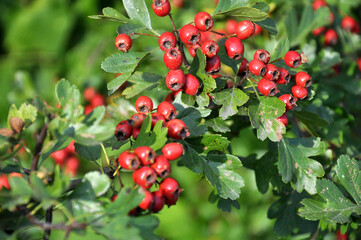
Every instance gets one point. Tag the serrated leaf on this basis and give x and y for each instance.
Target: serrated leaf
(311, 120)
(183, 101)
(269, 25)
(230, 99)
(137, 11)
(208, 143)
(192, 118)
(227, 5)
(198, 69)
(248, 13)
(91, 153)
(223, 204)
(68, 96)
(218, 125)
(20, 193)
(112, 15)
(224, 57)
(93, 184)
(141, 82)
(26, 112)
(283, 46)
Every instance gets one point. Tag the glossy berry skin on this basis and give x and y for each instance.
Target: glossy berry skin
(145, 177)
(161, 8)
(213, 65)
(192, 85)
(242, 71)
(175, 80)
(272, 72)
(145, 154)
(267, 87)
(189, 34)
(192, 49)
(350, 24)
(283, 119)
(289, 100)
(203, 21)
(257, 67)
(303, 79)
(123, 130)
(135, 133)
(234, 48)
(166, 41)
(144, 104)
(60, 156)
(158, 201)
(171, 96)
(331, 37)
(4, 182)
(262, 55)
(123, 42)
(167, 110)
(173, 151)
(170, 190)
(161, 166)
(318, 3)
(156, 117)
(293, 59)
(128, 160)
(258, 30)
(177, 129)
(72, 165)
(136, 120)
(299, 92)
(231, 25)
(148, 200)
(173, 58)
(210, 48)
(245, 29)
(284, 77)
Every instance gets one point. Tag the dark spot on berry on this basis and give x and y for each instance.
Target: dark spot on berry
(194, 39)
(134, 163)
(263, 71)
(208, 23)
(164, 173)
(131, 122)
(150, 178)
(120, 135)
(175, 86)
(262, 56)
(150, 156)
(308, 83)
(121, 46)
(292, 100)
(287, 78)
(158, 3)
(174, 53)
(143, 109)
(172, 115)
(272, 92)
(237, 56)
(275, 74)
(296, 63)
(183, 133)
(212, 48)
(176, 193)
(167, 44)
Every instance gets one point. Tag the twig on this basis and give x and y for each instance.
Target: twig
(48, 220)
(219, 33)
(118, 174)
(38, 147)
(254, 88)
(143, 34)
(58, 226)
(276, 60)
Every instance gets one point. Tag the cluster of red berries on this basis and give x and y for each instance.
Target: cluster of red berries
(348, 23)
(147, 167)
(94, 98)
(4, 179)
(166, 113)
(67, 158)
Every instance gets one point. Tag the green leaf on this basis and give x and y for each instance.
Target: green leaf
(69, 98)
(209, 143)
(269, 25)
(141, 82)
(93, 184)
(247, 13)
(127, 199)
(230, 99)
(138, 12)
(224, 57)
(192, 118)
(59, 184)
(218, 125)
(281, 49)
(129, 28)
(124, 63)
(184, 101)
(91, 153)
(311, 120)
(26, 112)
(295, 165)
(223, 204)
(227, 5)
(239, 9)
(198, 69)
(112, 15)
(262, 6)
(263, 117)
(20, 193)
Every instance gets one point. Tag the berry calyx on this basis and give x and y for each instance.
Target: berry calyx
(203, 21)
(272, 72)
(167, 110)
(175, 80)
(299, 92)
(145, 154)
(170, 190)
(267, 87)
(136, 120)
(158, 201)
(189, 34)
(234, 48)
(192, 85)
(161, 166)
(144, 104)
(177, 129)
(173, 58)
(123, 130)
(148, 200)
(123, 42)
(284, 77)
(283, 119)
(303, 79)
(262, 55)
(145, 177)
(293, 59)
(289, 100)
(167, 40)
(257, 67)
(245, 29)
(128, 160)
(173, 151)
(161, 8)
(213, 65)
(210, 48)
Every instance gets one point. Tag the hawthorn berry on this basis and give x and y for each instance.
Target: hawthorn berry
(145, 177)
(161, 166)
(167, 110)
(135, 133)
(192, 49)
(350, 24)
(171, 96)
(284, 77)
(156, 117)
(358, 61)
(170, 190)
(272, 72)
(158, 201)
(70, 148)
(148, 200)
(283, 119)
(88, 109)
(145, 154)
(189, 34)
(267, 87)
(175, 80)
(123, 42)
(213, 65)
(262, 55)
(293, 59)
(144, 104)
(242, 71)
(97, 100)
(318, 31)
(4, 182)
(167, 40)
(89, 93)
(72, 165)
(318, 3)
(123, 130)
(257, 67)
(289, 100)
(210, 48)
(173, 58)
(234, 48)
(128, 160)
(231, 25)
(258, 30)
(177, 129)
(299, 92)
(136, 120)
(303, 79)
(178, 3)
(331, 37)
(245, 29)
(203, 21)
(60, 156)
(161, 8)
(192, 85)
(173, 151)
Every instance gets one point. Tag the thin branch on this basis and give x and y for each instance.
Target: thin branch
(48, 220)
(143, 34)
(39, 146)
(53, 226)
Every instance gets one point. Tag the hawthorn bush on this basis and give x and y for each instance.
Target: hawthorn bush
(216, 112)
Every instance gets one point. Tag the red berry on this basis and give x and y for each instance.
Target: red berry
(173, 151)
(135, 133)
(161, 7)
(258, 30)
(203, 21)
(299, 92)
(303, 79)
(136, 120)
(284, 77)
(318, 31)
(189, 34)
(89, 93)
(192, 85)
(97, 100)
(205, 36)
(257, 67)
(173, 58)
(289, 100)
(161, 166)
(88, 109)
(293, 59)
(245, 29)
(218, 37)
(123, 42)
(145, 154)
(210, 48)
(170, 190)
(72, 165)
(145, 177)
(272, 72)
(283, 119)
(144, 104)
(171, 96)
(213, 65)
(148, 200)
(157, 117)
(158, 201)
(177, 129)
(167, 40)
(350, 24)
(340, 236)
(318, 3)
(262, 55)
(231, 25)
(234, 48)
(175, 80)
(178, 3)
(331, 37)
(242, 71)
(60, 156)
(128, 160)
(267, 87)
(70, 148)
(4, 182)
(358, 61)
(167, 110)
(192, 49)
(123, 130)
